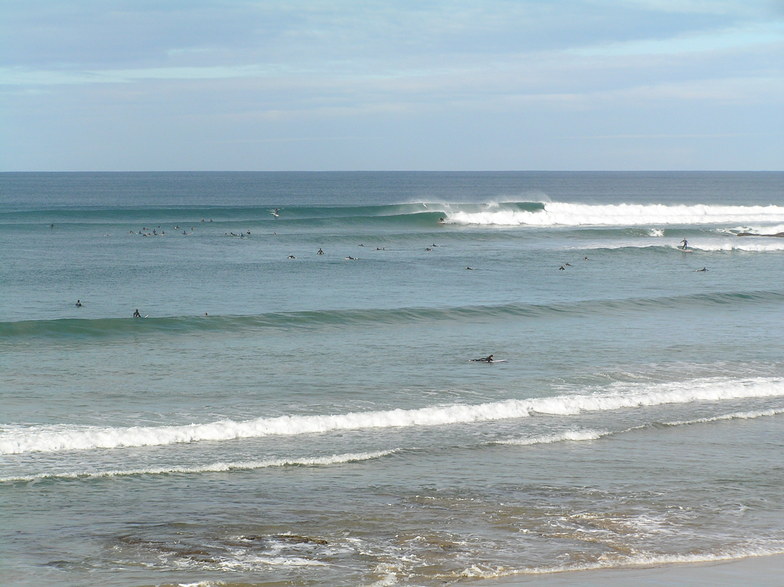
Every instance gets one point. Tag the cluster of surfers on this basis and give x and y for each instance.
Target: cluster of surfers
(488, 359)
(158, 231)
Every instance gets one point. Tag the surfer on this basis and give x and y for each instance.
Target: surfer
(684, 244)
(487, 359)
(319, 252)
(78, 303)
(136, 313)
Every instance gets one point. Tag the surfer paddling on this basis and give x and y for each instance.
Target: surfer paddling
(487, 359)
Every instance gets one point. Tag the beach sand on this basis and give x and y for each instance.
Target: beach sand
(762, 571)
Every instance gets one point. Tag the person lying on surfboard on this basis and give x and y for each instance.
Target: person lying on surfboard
(488, 359)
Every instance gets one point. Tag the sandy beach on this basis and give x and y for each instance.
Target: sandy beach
(763, 571)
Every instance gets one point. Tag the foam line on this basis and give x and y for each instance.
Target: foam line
(586, 435)
(209, 468)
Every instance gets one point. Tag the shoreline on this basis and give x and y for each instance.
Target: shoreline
(760, 571)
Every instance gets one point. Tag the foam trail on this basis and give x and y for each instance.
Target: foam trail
(566, 214)
(19, 439)
(210, 468)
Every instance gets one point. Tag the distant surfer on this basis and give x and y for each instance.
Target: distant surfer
(703, 269)
(320, 252)
(487, 359)
(136, 313)
(684, 244)
(78, 303)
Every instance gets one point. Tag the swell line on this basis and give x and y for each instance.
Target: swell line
(219, 467)
(57, 438)
(112, 327)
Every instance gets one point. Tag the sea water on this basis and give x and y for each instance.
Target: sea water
(283, 415)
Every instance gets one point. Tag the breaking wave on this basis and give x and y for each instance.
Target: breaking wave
(57, 438)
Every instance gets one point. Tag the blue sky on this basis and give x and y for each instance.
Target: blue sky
(394, 84)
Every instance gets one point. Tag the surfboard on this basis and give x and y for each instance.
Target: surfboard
(486, 361)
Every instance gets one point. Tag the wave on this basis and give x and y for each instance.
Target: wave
(208, 468)
(570, 214)
(58, 438)
(101, 328)
(415, 214)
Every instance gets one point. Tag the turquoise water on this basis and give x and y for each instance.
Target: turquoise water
(279, 415)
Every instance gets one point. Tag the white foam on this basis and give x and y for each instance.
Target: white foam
(734, 416)
(750, 244)
(570, 435)
(209, 468)
(565, 214)
(24, 439)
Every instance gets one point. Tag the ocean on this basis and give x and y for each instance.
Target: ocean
(300, 401)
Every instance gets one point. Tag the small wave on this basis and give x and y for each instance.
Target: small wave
(21, 439)
(571, 435)
(588, 435)
(100, 328)
(209, 468)
(734, 416)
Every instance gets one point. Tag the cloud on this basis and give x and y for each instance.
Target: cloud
(254, 73)
(731, 39)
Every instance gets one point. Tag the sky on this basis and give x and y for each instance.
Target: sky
(156, 85)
